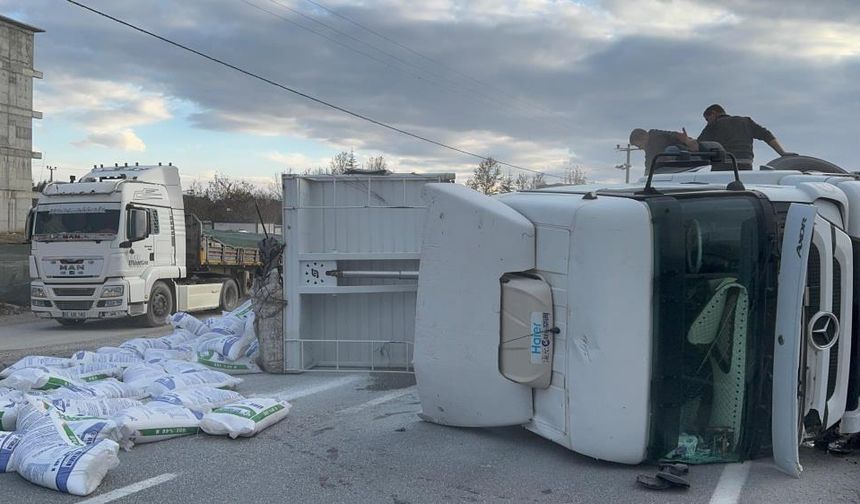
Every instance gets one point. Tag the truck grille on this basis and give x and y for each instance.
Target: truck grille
(837, 310)
(74, 305)
(73, 291)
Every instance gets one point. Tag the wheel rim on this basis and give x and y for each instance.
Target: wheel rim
(160, 305)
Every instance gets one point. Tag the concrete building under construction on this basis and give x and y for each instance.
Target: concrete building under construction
(16, 122)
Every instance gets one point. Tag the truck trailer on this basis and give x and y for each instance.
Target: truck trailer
(119, 243)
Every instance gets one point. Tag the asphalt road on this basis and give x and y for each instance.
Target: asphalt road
(357, 438)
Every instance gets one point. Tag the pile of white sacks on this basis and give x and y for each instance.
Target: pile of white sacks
(63, 420)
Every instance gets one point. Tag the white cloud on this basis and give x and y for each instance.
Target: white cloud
(124, 139)
(108, 111)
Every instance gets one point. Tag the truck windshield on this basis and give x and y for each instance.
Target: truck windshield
(75, 223)
(713, 335)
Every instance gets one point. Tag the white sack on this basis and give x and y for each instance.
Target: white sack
(144, 424)
(243, 365)
(92, 430)
(8, 442)
(96, 407)
(178, 337)
(142, 374)
(181, 367)
(181, 381)
(245, 418)
(123, 358)
(157, 355)
(197, 398)
(51, 455)
(190, 323)
(231, 346)
(140, 345)
(36, 361)
(42, 378)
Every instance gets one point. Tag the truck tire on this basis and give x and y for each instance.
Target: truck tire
(71, 322)
(160, 305)
(229, 295)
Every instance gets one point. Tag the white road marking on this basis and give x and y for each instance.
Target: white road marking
(728, 490)
(125, 491)
(379, 400)
(291, 394)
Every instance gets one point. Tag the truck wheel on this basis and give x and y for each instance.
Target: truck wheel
(160, 305)
(229, 295)
(71, 322)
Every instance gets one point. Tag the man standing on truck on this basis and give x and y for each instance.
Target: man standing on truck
(736, 135)
(655, 141)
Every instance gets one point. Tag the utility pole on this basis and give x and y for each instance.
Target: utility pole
(51, 169)
(626, 166)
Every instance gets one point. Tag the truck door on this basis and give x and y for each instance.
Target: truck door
(162, 253)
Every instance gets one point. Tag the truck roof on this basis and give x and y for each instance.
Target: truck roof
(156, 174)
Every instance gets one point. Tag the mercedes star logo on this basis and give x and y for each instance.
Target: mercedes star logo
(823, 330)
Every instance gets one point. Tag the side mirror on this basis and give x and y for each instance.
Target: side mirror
(136, 227)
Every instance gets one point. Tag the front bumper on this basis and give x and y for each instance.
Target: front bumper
(79, 301)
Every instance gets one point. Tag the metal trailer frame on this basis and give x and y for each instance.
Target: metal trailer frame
(353, 247)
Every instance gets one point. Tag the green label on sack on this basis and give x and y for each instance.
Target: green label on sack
(169, 431)
(237, 409)
(73, 438)
(221, 365)
(54, 383)
(96, 378)
(267, 412)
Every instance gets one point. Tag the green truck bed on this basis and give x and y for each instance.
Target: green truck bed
(229, 248)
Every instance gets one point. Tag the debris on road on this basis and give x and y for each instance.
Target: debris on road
(63, 420)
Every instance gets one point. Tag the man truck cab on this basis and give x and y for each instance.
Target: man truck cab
(636, 322)
(118, 243)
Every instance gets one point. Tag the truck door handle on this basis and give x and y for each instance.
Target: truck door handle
(151, 256)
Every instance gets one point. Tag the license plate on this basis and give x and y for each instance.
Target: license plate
(75, 314)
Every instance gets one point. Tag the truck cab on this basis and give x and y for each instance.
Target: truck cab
(114, 244)
(636, 322)
(836, 194)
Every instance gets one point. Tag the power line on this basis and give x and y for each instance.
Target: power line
(483, 96)
(299, 93)
(424, 56)
(353, 49)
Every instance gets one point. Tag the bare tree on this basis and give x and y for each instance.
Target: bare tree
(574, 175)
(375, 163)
(343, 162)
(486, 176)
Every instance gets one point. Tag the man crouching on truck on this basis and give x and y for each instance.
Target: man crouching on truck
(655, 141)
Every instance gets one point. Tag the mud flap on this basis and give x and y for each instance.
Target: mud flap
(470, 241)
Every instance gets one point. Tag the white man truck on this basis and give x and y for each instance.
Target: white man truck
(697, 322)
(118, 243)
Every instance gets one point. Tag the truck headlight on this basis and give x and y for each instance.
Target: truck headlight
(113, 291)
(41, 303)
(38, 292)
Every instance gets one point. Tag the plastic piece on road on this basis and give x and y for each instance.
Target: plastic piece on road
(652, 483)
(673, 480)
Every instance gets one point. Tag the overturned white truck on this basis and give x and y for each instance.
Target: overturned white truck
(697, 322)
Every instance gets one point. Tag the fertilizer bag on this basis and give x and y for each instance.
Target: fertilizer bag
(244, 418)
(8, 442)
(145, 424)
(49, 454)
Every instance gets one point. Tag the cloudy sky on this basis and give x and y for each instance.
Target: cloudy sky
(536, 83)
